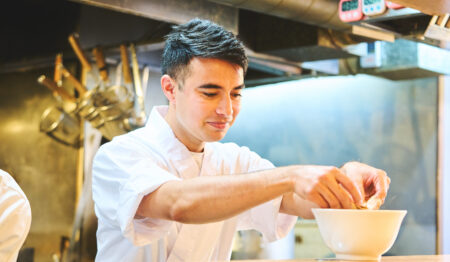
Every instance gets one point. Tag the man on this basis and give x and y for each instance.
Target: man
(15, 218)
(170, 192)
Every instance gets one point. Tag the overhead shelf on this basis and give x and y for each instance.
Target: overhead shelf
(435, 7)
(401, 22)
(406, 23)
(391, 14)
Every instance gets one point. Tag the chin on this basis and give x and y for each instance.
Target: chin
(215, 137)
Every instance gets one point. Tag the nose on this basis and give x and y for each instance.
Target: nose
(225, 107)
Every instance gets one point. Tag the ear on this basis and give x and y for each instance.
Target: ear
(168, 87)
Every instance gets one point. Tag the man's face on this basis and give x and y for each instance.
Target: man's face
(209, 100)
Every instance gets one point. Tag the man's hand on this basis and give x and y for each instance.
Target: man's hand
(326, 186)
(372, 182)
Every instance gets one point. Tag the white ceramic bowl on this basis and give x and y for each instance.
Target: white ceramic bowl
(359, 234)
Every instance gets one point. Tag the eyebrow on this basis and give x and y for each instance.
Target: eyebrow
(213, 86)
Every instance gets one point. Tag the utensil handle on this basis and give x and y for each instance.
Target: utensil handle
(145, 77)
(57, 76)
(125, 64)
(78, 86)
(50, 84)
(137, 82)
(73, 40)
(101, 64)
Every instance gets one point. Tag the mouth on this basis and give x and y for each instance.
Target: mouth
(219, 125)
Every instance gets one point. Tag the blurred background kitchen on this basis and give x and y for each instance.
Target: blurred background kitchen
(375, 88)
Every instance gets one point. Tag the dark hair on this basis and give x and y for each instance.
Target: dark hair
(200, 38)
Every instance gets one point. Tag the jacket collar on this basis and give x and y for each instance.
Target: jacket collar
(177, 153)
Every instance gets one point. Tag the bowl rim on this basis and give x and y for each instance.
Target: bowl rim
(334, 210)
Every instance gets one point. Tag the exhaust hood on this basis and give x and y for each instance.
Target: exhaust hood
(408, 60)
(307, 31)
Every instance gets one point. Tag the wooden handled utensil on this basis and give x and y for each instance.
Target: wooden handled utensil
(137, 83)
(125, 64)
(73, 40)
(78, 86)
(57, 76)
(50, 84)
(101, 64)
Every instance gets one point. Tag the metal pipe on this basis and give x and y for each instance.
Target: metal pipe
(323, 13)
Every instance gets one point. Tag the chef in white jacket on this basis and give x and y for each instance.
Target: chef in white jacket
(15, 218)
(171, 192)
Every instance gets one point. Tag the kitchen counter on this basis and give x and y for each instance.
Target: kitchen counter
(433, 258)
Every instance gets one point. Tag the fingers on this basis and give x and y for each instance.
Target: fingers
(351, 187)
(351, 204)
(381, 185)
(333, 193)
(341, 197)
(329, 187)
(375, 182)
(318, 199)
(328, 195)
(374, 203)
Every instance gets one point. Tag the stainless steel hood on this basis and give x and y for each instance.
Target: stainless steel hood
(408, 60)
(299, 31)
(323, 13)
(172, 11)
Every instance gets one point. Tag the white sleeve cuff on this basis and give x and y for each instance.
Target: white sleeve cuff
(267, 219)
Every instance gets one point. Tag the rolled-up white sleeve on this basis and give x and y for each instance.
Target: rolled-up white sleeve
(265, 218)
(121, 178)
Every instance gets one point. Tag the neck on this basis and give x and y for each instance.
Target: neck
(192, 144)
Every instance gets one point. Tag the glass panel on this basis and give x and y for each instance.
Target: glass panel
(332, 120)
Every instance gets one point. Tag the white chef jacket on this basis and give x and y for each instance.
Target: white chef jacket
(135, 164)
(15, 218)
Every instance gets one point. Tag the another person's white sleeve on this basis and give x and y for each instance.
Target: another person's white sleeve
(15, 218)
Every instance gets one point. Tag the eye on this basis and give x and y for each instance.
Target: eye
(236, 95)
(210, 94)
